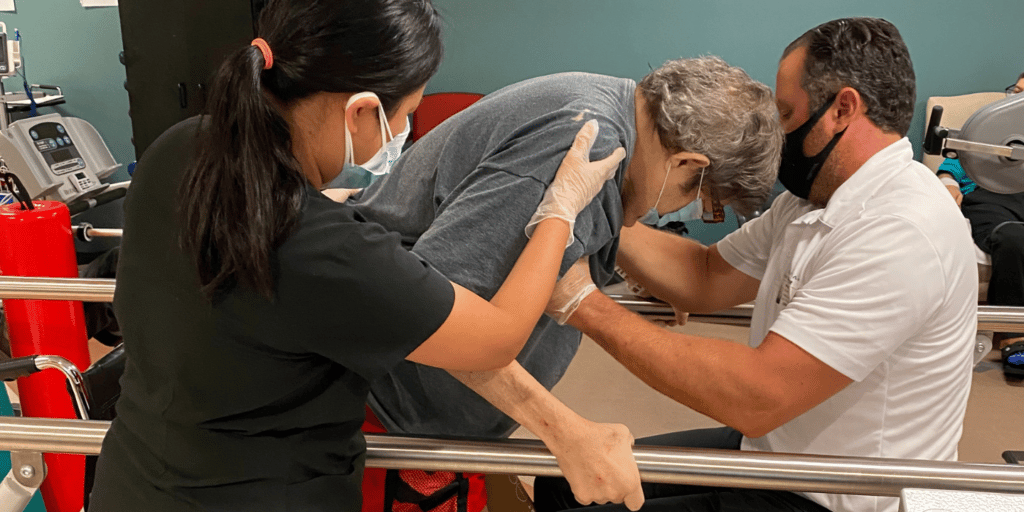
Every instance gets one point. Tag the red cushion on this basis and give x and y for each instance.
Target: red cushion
(374, 481)
(437, 107)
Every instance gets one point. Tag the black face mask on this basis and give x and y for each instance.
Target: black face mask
(798, 171)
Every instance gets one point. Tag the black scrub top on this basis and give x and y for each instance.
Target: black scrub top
(250, 404)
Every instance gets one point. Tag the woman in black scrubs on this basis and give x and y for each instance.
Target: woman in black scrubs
(255, 310)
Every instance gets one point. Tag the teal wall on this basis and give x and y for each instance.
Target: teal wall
(957, 46)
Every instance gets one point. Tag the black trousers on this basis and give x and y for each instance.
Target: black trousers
(997, 225)
(554, 494)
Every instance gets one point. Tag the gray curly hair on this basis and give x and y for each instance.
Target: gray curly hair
(706, 106)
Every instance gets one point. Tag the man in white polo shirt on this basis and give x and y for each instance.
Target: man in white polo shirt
(856, 347)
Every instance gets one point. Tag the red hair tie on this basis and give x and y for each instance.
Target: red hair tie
(268, 56)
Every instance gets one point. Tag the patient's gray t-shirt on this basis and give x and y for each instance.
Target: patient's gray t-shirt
(460, 198)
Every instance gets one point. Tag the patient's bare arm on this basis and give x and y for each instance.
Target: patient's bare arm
(596, 458)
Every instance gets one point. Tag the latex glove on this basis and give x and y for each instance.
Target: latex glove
(340, 194)
(577, 181)
(570, 291)
(597, 461)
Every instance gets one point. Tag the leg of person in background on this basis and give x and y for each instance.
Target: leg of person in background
(1006, 243)
(995, 225)
(1006, 288)
(554, 494)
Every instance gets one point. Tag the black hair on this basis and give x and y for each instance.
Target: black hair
(245, 191)
(867, 54)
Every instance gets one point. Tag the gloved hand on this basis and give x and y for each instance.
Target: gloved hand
(570, 291)
(597, 461)
(577, 181)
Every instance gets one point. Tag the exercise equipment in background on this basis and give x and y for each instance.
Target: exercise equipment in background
(990, 145)
(56, 157)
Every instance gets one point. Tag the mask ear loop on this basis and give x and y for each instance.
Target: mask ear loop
(384, 124)
(668, 168)
(700, 183)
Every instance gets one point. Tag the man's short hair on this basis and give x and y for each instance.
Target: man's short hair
(867, 54)
(1021, 76)
(706, 106)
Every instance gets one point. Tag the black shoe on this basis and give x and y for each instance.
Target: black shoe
(1013, 358)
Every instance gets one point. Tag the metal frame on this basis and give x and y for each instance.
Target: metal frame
(29, 437)
(719, 468)
(990, 318)
(1011, 152)
(85, 232)
(72, 376)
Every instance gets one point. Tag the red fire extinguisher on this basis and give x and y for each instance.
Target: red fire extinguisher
(36, 241)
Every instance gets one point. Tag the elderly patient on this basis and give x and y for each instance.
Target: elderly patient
(697, 133)
(864, 286)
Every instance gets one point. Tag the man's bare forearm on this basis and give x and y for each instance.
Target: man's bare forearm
(715, 377)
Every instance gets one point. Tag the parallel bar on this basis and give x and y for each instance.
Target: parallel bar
(86, 232)
(720, 468)
(990, 318)
(1000, 318)
(56, 288)
(104, 232)
(52, 435)
(739, 315)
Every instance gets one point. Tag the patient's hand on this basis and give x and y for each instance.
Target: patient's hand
(678, 319)
(340, 194)
(597, 460)
(954, 190)
(951, 185)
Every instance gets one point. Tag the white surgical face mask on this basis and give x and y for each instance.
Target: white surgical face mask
(691, 211)
(651, 218)
(359, 176)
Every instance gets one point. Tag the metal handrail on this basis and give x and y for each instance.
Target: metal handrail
(719, 468)
(56, 288)
(990, 318)
(87, 232)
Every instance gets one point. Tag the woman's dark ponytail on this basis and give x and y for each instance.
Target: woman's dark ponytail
(245, 191)
(243, 195)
